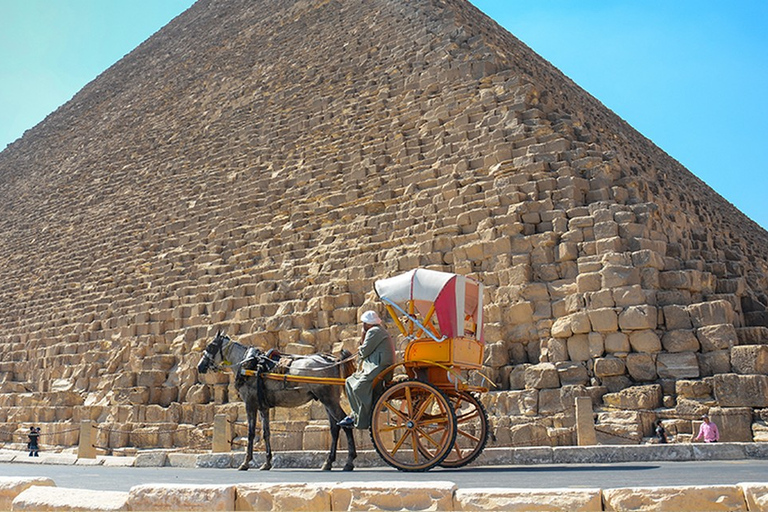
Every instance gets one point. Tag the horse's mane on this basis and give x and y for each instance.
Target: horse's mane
(348, 363)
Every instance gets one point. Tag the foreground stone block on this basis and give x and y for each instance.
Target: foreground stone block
(10, 487)
(393, 496)
(46, 498)
(297, 497)
(181, 497)
(528, 499)
(692, 498)
(756, 495)
(635, 398)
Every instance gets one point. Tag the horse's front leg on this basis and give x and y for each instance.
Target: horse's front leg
(264, 414)
(334, 438)
(351, 451)
(251, 435)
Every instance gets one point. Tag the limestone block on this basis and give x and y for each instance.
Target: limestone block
(645, 341)
(756, 496)
(750, 359)
(676, 317)
(647, 258)
(577, 500)
(641, 366)
(589, 282)
(580, 323)
(690, 409)
(717, 337)
(572, 373)
(181, 497)
(404, 495)
(732, 390)
(11, 486)
(629, 296)
(600, 299)
(519, 403)
(50, 498)
(604, 320)
(713, 363)
(638, 318)
(615, 276)
(578, 348)
(198, 394)
(556, 350)
(541, 376)
(733, 423)
(711, 313)
(680, 365)
(681, 498)
(550, 402)
(284, 496)
(519, 313)
(496, 354)
(693, 389)
(616, 342)
(683, 340)
(635, 398)
(517, 376)
(561, 328)
(609, 366)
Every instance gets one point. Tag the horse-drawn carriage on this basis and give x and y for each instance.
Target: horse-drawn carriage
(429, 414)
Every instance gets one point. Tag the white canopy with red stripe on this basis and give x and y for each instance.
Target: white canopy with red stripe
(457, 299)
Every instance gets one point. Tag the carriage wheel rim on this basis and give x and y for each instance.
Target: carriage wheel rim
(413, 426)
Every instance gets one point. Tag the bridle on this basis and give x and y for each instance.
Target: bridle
(218, 347)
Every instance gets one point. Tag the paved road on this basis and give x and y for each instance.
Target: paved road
(544, 476)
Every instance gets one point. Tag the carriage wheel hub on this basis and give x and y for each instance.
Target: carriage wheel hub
(410, 424)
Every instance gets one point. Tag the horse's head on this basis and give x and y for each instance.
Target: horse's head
(213, 355)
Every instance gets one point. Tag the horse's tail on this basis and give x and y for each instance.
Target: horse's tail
(347, 361)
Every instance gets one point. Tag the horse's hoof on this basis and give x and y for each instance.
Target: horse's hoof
(244, 467)
(348, 467)
(265, 467)
(326, 466)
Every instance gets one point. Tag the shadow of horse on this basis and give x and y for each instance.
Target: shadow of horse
(260, 394)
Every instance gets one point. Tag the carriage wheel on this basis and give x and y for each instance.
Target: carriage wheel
(471, 429)
(413, 426)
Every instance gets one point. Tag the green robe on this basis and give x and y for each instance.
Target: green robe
(376, 354)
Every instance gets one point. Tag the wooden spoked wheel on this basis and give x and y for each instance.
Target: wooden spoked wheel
(413, 426)
(471, 429)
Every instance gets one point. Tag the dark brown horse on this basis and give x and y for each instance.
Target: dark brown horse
(260, 394)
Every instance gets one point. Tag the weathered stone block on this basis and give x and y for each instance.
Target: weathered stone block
(578, 348)
(541, 376)
(680, 341)
(609, 366)
(717, 337)
(638, 318)
(404, 495)
(181, 497)
(519, 403)
(635, 398)
(713, 363)
(711, 313)
(44, 497)
(756, 495)
(733, 423)
(693, 389)
(676, 317)
(680, 498)
(615, 276)
(582, 500)
(284, 496)
(645, 341)
(572, 373)
(616, 342)
(629, 296)
(517, 376)
(750, 359)
(604, 320)
(732, 390)
(680, 365)
(11, 486)
(641, 367)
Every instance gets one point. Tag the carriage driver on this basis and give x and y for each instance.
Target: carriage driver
(376, 354)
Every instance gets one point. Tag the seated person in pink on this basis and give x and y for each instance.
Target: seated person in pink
(708, 431)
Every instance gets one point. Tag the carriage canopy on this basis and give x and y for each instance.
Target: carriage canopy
(456, 300)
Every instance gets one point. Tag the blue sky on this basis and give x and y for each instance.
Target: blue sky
(692, 76)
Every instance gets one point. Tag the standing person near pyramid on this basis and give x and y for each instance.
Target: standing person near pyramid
(33, 444)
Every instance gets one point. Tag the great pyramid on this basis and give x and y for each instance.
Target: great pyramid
(256, 165)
